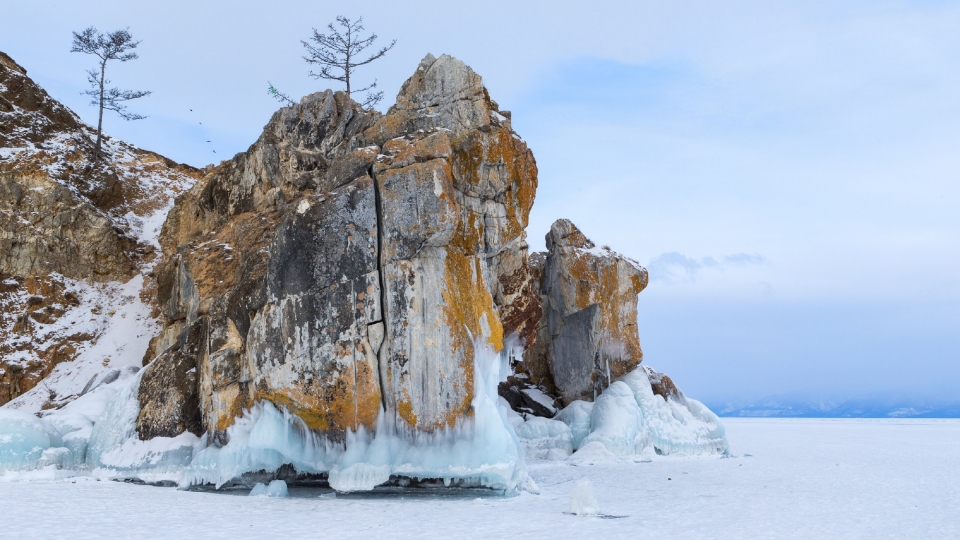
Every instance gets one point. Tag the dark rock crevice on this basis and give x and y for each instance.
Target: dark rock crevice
(381, 349)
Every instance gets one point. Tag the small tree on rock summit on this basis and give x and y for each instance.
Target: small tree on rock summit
(112, 46)
(339, 54)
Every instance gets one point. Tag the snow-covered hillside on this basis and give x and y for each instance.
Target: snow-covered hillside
(79, 236)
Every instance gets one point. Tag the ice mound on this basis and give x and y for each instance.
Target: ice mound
(590, 453)
(577, 416)
(277, 488)
(677, 425)
(114, 450)
(24, 439)
(582, 500)
(543, 438)
(628, 418)
(617, 421)
(60, 439)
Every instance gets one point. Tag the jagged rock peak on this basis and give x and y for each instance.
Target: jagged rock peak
(440, 81)
(563, 233)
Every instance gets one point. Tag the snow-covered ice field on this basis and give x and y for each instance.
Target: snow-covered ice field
(787, 479)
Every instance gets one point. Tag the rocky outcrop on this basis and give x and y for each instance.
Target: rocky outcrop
(168, 395)
(349, 262)
(65, 218)
(456, 188)
(588, 336)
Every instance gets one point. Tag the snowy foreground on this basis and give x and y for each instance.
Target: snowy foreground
(786, 479)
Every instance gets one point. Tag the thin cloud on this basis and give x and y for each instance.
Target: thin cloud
(743, 259)
(677, 266)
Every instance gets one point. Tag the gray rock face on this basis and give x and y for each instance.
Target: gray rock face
(313, 347)
(169, 401)
(271, 252)
(45, 228)
(53, 202)
(349, 262)
(588, 337)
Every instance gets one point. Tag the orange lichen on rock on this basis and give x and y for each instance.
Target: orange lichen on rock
(589, 337)
(345, 399)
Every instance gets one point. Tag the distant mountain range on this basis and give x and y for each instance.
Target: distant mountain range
(872, 406)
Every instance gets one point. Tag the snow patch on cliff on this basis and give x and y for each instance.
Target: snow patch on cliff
(121, 327)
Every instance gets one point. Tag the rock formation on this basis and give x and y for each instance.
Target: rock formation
(65, 218)
(349, 262)
(588, 335)
(338, 300)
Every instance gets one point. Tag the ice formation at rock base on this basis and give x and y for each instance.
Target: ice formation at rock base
(488, 450)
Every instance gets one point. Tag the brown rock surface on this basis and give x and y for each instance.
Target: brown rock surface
(588, 337)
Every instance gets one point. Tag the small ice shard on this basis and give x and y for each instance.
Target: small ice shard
(531, 487)
(582, 500)
(277, 488)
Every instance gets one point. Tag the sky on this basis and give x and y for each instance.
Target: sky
(787, 171)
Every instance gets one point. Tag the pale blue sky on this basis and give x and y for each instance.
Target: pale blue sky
(789, 171)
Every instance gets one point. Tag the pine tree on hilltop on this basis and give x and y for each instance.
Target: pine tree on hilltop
(336, 55)
(112, 46)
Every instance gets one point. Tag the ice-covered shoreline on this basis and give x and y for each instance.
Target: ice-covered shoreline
(801, 479)
(96, 435)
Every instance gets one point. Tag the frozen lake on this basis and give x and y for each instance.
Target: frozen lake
(788, 479)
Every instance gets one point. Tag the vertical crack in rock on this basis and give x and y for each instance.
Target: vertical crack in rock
(378, 208)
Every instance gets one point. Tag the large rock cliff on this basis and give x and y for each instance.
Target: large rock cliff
(350, 262)
(72, 229)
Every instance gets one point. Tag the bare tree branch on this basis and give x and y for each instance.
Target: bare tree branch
(278, 95)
